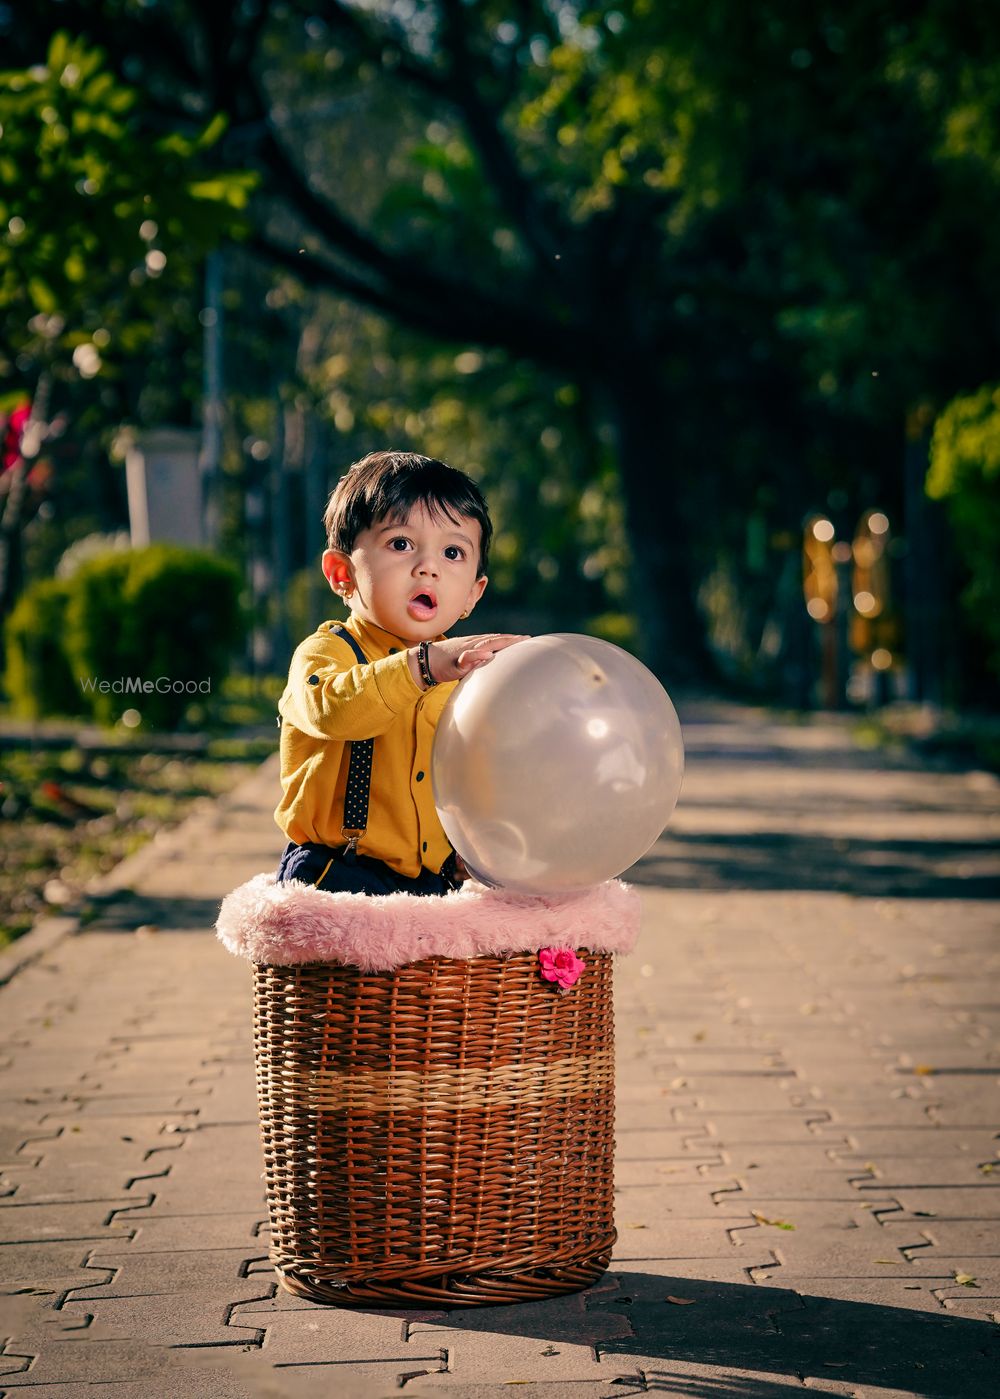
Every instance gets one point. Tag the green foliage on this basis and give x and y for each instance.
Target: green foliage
(165, 617)
(620, 628)
(183, 620)
(302, 614)
(813, 171)
(965, 474)
(94, 629)
(770, 227)
(38, 677)
(90, 546)
(102, 221)
(782, 216)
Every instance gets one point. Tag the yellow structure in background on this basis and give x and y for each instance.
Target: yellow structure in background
(821, 583)
(874, 631)
(850, 584)
(819, 575)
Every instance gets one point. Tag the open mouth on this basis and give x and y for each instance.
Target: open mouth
(422, 605)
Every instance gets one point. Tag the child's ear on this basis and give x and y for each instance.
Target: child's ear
(337, 572)
(475, 593)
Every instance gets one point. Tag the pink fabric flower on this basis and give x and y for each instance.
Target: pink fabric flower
(560, 964)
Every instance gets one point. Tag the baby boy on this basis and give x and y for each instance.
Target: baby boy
(408, 543)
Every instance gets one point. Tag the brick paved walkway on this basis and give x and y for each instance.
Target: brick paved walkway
(808, 1036)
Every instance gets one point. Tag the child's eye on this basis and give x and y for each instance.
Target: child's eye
(454, 552)
(399, 543)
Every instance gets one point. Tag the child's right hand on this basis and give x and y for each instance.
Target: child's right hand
(460, 655)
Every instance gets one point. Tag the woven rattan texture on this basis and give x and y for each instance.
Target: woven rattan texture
(441, 1133)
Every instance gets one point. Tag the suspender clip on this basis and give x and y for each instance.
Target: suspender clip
(351, 848)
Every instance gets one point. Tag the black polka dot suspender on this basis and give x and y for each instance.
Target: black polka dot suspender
(359, 771)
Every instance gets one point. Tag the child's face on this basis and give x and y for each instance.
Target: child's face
(414, 579)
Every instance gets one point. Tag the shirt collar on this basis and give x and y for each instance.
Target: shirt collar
(376, 639)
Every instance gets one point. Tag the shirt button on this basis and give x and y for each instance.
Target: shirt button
(425, 845)
(393, 650)
(314, 680)
(420, 777)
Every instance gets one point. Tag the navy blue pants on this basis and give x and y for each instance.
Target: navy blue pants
(339, 872)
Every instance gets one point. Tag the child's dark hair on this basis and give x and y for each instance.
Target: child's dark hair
(387, 485)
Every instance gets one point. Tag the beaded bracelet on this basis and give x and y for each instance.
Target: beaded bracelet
(424, 664)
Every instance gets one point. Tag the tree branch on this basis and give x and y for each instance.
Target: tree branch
(482, 120)
(346, 24)
(458, 88)
(410, 286)
(231, 36)
(459, 313)
(396, 284)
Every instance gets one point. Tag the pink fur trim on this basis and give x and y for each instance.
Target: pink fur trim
(282, 924)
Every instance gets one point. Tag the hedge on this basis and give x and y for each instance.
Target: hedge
(150, 629)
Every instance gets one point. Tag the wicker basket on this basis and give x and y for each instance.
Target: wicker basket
(437, 1117)
(439, 1134)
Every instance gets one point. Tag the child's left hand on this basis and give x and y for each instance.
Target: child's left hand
(457, 656)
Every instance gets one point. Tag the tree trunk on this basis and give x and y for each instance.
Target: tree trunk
(665, 576)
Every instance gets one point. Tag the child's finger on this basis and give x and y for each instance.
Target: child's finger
(472, 660)
(495, 642)
(483, 649)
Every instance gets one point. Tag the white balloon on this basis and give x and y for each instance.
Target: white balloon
(556, 765)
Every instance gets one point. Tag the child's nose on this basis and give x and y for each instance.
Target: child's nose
(427, 564)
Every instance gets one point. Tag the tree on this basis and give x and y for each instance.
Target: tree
(104, 228)
(734, 228)
(103, 220)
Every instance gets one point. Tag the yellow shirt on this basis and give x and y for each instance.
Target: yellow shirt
(329, 699)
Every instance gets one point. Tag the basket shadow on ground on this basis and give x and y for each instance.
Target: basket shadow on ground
(780, 1332)
(772, 1337)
